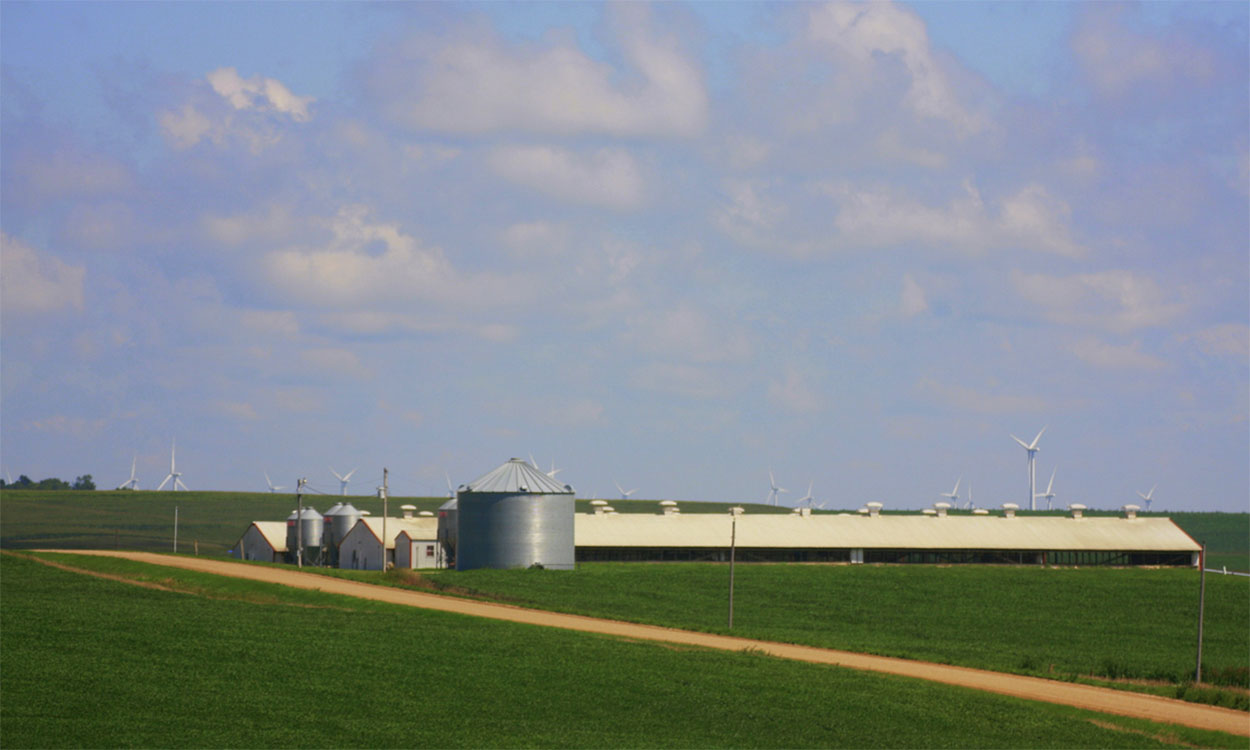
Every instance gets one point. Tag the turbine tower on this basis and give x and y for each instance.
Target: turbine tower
(174, 474)
(808, 497)
(272, 486)
(953, 495)
(1032, 450)
(1148, 497)
(774, 492)
(131, 483)
(1049, 494)
(343, 480)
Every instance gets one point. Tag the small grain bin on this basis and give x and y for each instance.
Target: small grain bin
(514, 517)
(313, 525)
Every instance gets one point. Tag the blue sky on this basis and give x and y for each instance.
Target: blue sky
(667, 246)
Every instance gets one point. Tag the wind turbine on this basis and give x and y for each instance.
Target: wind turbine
(969, 505)
(554, 470)
(1148, 497)
(774, 492)
(272, 486)
(953, 495)
(343, 480)
(1049, 494)
(451, 491)
(625, 493)
(1032, 451)
(174, 474)
(131, 483)
(808, 497)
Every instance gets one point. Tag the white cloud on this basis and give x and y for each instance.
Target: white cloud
(688, 334)
(607, 177)
(1112, 356)
(912, 301)
(536, 238)
(475, 83)
(237, 409)
(1118, 301)
(275, 224)
(259, 93)
(679, 379)
(968, 399)
(879, 217)
(245, 110)
(335, 361)
(864, 36)
(59, 424)
(362, 263)
(795, 394)
(32, 283)
(1118, 59)
(1226, 339)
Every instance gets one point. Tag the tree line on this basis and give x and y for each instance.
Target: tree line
(24, 482)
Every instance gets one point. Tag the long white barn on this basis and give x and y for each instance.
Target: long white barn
(885, 538)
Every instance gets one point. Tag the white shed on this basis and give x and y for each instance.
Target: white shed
(263, 540)
(361, 547)
(418, 549)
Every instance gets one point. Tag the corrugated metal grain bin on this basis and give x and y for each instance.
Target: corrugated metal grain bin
(313, 528)
(514, 517)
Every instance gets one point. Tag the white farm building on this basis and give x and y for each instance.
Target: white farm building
(264, 541)
(361, 548)
(885, 538)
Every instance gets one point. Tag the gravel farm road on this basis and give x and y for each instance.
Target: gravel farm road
(1104, 700)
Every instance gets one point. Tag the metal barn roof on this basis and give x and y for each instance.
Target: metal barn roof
(517, 476)
(767, 531)
(273, 532)
(422, 527)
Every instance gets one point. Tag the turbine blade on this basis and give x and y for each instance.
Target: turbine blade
(1033, 445)
(1023, 444)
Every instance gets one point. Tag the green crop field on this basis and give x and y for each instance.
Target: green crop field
(217, 662)
(1117, 623)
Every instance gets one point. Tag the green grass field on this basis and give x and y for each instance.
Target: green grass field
(1126, 624)
(220, 662)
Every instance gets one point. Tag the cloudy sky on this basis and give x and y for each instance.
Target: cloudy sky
(669, 246)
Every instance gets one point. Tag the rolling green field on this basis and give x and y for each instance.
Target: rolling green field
(216, 520)
(1138, 624)
(219, 662)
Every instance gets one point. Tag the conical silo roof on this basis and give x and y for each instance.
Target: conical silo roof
(517, 476)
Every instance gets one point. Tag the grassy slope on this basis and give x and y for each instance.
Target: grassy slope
(145, 520)
(90, 662)
(1122, 623)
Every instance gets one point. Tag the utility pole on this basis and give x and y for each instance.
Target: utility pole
(733, 543)
(299, 522)
(382, 494)
(1202, 592)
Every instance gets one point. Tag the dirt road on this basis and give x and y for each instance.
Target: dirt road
(1082, 696)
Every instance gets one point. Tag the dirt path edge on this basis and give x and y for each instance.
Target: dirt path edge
(1103, 700)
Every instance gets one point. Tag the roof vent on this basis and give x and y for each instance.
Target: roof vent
(608, 509)
(942, 508)
(426, 514)
(737, 510)
(407, 509)
(1077, 509)
(862, 511)
(669, 507)
(929, 512)
(365, 513)
(1130, 511)
(1009, 510)
(874, 509)
(980, 512)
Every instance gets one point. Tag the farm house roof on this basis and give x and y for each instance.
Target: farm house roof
(770, 531)
(273, 532)
(423, 527)
(517, 476)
